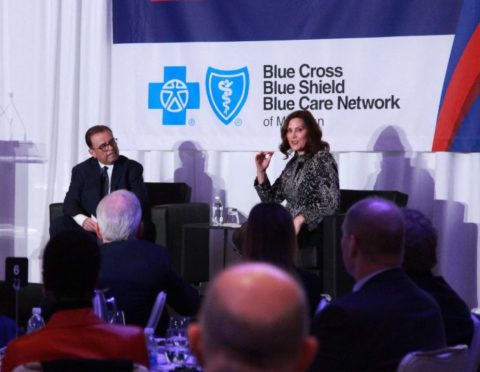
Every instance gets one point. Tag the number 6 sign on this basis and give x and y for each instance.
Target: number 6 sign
(16, 271)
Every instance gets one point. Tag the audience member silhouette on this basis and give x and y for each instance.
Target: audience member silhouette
(419, 260)
(254, 318)
(133, 270)
(71, 264)
(387, 315)
(270, 237)
(8, 330)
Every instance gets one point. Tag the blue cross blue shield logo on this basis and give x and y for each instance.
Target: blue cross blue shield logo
(175, 96)
(227, 92)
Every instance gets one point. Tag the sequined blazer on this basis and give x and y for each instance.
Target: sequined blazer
(310, 186)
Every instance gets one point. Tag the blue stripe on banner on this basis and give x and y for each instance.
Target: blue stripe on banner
(467, 138)
(145, 21)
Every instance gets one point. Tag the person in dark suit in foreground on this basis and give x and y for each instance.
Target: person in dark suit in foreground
(134, 270)
(419, 261)
(254, 318)
(387, 315)
(71, 263)
(103, 172)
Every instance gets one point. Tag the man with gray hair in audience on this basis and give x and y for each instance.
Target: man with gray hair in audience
(134, 271)
(254, 318)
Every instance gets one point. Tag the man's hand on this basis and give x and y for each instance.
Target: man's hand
(90, 225)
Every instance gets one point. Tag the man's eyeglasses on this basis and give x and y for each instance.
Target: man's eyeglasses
(103, 147)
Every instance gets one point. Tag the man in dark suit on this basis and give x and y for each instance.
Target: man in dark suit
(103, 172)
(133, 270)
(387, 315)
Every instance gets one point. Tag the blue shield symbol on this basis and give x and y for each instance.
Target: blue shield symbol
(227, 92)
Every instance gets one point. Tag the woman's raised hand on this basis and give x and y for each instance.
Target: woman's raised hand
(262, 161)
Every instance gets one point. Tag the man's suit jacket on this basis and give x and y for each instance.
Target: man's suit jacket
(135, 271)
(77, 333)
(84, 192)
(455, 312)
(374, 327)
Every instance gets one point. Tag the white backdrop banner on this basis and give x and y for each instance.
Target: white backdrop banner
(224, 74)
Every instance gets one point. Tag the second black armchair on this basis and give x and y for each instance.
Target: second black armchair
(171, 209)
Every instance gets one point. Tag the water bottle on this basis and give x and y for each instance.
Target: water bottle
(217, 211)
(36, 321)
(151, 348)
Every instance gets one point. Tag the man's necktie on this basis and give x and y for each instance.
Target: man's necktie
(105, 182)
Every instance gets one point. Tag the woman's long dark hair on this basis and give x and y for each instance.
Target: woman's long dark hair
(314, 134)
(270, 236)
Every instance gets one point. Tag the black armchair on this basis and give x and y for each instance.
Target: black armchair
(170, 210)
(325, 257)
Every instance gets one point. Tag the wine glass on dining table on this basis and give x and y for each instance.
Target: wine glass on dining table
(176, 342)
(116, 317)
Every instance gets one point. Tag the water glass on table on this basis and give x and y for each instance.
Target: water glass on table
(233, 218)
(176, 342)
(116, 317)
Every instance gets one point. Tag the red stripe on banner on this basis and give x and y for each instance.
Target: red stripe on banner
(464, 87)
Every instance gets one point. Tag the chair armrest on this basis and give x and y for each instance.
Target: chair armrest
(55, 210)
(158, 215)
(168, 220)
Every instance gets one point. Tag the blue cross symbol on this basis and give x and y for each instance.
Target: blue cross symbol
(174, 96)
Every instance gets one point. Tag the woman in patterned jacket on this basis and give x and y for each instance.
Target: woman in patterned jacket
(309, 183)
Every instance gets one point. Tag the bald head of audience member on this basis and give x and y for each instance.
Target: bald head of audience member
(119, 217)
(372, 237)
(253, 318)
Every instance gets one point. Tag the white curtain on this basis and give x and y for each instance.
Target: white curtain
(55, 83)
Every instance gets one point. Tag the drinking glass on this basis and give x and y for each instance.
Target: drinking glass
(116, 317)
(176, 347)
(176, 354)
(162, 358)
(232, 217)
(177, 329)
(2, 353)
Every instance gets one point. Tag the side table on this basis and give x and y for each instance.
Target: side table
(225, 227)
